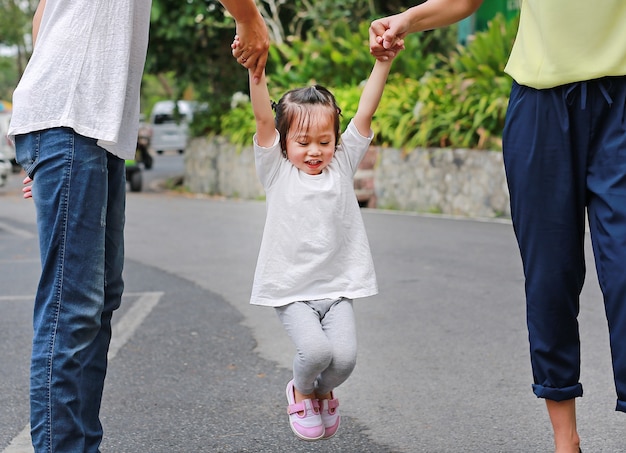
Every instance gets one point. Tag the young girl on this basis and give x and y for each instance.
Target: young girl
(314, 257)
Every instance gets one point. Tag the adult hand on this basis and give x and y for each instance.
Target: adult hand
(253, 45)
(27, 192)
(387, 36)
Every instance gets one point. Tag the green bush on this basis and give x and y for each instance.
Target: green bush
(396, 121)
(454, 100)
(238, 125)
(463, 103)
(338, 56)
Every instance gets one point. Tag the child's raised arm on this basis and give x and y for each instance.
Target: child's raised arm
(371, 95)
(262, 108)
(261, 104)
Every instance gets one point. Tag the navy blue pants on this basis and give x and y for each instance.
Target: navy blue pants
(564, 154)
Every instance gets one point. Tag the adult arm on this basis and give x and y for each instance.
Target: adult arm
(27, 191)
(37, 19)
(387, 31)
(253, 36)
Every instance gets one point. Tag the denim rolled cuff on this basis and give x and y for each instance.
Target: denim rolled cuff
(560, 394)
(621, 406)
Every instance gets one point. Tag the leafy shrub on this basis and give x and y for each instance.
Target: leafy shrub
(471, 91)
(458, 100)
(338, 56)
(238, 125)
(396, 121)
(461, 103)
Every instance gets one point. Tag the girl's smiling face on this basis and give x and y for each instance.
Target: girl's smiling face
(311, 141)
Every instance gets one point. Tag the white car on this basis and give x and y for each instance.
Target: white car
(5, 169)
(7, 150)
(170, 129)
(6, 147)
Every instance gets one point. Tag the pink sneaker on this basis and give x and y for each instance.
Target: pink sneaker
(330, 416)
(308, 426)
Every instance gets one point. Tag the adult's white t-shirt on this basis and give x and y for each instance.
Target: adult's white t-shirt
(85, 72)
(314, 243)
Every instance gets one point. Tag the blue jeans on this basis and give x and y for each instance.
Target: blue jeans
(564, 153)
(79, 194)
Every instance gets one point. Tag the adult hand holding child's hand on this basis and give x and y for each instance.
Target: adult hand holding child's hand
(387, 37)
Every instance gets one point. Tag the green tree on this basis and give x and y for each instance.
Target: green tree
(189, 49)
(15, 28)
(8, 77)
(287, 19)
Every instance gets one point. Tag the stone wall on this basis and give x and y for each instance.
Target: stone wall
(446, 181)
(215, 167)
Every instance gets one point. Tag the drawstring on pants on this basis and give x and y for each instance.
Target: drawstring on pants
(583, 92)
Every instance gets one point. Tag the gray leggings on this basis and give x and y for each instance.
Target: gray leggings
(324, 333)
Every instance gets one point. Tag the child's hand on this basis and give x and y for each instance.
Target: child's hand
(382, 54)
(27, 192)
(235, 45)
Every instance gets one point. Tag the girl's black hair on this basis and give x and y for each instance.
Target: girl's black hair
(296, 105)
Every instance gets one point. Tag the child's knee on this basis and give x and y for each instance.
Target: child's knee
(318, 358)
(344, 361)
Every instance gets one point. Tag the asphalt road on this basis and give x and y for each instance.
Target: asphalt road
(443, 363)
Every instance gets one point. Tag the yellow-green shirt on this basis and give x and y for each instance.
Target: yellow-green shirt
(564, 41)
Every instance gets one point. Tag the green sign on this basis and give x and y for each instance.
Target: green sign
(487, 11)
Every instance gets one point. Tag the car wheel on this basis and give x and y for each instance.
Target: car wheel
(136, 181)
(147, 161)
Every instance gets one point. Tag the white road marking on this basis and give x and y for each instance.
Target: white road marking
(16, 298)
(122, 331)
(17, 231)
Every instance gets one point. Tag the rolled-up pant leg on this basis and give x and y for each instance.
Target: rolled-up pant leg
(607, 221)
(564, 150)
(546, 178)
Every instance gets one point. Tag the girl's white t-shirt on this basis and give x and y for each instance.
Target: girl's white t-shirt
(85, 72)
(314, 243)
